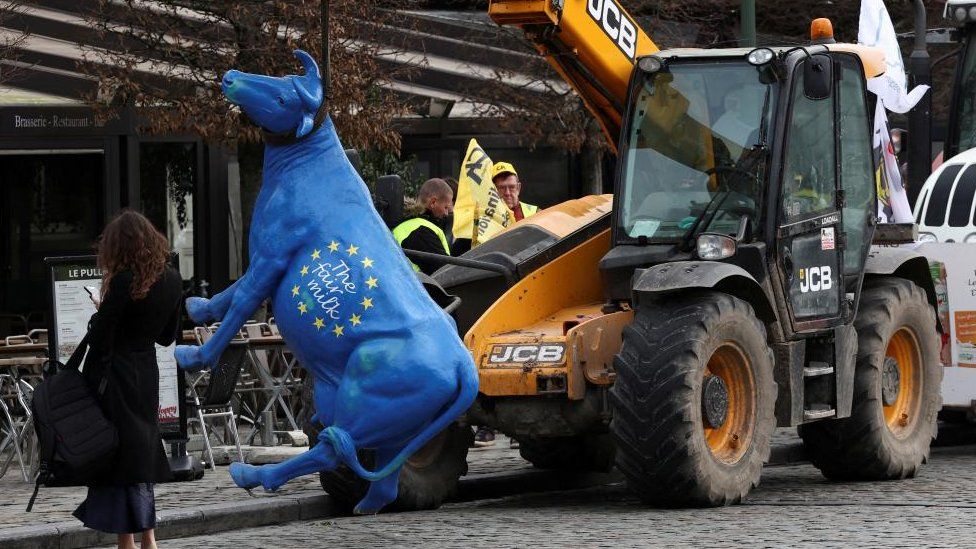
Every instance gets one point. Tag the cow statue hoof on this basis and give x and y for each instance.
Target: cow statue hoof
(190, 358)
(245, 476)
(361, 509)
(199, 310)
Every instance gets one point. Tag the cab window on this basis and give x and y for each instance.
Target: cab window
(808, 169)
(856, 165)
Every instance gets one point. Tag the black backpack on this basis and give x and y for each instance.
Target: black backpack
(76, 442)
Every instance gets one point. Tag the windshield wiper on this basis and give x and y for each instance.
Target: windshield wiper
(763, 125)
(694, 227)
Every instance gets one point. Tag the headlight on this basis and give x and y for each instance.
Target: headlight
(760, 56)
(927, 238)
(715, 246)
(649, 64)
(960, 14)
(970, 238)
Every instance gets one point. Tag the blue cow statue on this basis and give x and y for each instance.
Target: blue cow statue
(390, 370)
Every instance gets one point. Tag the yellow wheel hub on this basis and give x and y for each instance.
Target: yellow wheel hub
(729, 441)
(901, 379)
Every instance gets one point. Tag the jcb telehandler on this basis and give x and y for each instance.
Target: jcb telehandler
(738, 268)
(733, 288)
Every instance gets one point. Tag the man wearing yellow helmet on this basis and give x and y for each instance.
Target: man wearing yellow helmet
(506, 180)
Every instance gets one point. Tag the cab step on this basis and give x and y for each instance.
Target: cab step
(817, 369)
(810, 415)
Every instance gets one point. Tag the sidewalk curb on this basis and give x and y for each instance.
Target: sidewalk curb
(178, 523)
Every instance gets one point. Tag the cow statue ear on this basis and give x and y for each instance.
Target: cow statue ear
(308, 121)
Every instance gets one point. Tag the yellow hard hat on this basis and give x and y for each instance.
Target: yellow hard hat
(500, 168)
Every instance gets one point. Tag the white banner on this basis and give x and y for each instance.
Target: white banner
(875, 29)
(893, 205)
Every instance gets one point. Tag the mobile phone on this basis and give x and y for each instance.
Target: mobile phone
(93, 294)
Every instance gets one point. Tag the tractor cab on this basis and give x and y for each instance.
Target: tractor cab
(735, 156)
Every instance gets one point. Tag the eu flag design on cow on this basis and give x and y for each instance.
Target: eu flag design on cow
(328, 286)
(389, 369)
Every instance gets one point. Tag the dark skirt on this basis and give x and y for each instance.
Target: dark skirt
(127, 509)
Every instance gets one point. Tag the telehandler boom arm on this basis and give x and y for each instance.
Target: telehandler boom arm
(592, 44)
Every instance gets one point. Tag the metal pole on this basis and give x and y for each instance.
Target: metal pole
(747, 24)
(326, 78)
(920, 117)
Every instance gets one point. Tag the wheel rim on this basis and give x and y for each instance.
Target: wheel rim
(729, 441)
(901, 415)
(428, 452)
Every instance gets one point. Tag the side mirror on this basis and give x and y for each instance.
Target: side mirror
(817, 77)
(388, 199)
(899, 140)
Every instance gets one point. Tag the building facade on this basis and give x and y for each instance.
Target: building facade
(64, 174)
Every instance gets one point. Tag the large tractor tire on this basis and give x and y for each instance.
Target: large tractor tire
(693, 403)
(897, 382)
(593, 452)
(428, 478)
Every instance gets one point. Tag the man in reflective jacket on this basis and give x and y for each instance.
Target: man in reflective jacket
(424, 230)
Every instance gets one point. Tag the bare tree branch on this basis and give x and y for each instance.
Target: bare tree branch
(167, 56)
(10, 42)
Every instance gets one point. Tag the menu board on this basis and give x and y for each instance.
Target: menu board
(72, 304)
(72, 307)
(169, 389)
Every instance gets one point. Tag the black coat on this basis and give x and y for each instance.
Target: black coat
(122, 335)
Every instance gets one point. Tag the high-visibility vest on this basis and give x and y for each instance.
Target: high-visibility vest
(403, 230)
(528, 210)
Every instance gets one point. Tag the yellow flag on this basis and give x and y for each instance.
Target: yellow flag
(479, 212)
(493, 216)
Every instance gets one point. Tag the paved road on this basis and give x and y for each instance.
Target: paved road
(794, 506)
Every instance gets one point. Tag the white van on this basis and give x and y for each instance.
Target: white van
(944, 210)
(945, 217)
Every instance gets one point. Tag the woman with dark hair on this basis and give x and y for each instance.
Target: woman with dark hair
(140, 302)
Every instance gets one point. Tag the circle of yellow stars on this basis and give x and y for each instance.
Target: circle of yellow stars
(356, 319)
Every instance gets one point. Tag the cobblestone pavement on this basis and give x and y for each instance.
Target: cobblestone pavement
(794, 506)
(56, 504)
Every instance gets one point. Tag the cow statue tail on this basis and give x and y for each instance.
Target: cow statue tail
(346, 449)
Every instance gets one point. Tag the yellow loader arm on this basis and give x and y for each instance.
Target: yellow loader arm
(592, 44)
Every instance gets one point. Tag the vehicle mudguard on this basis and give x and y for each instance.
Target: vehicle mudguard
(903, 263)
(688, 275)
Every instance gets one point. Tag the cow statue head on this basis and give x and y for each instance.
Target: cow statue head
(278, 104)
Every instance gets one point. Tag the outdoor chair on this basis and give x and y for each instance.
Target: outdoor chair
(211, 392)
(17, 440)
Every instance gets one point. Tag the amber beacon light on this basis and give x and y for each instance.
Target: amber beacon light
(821, 30)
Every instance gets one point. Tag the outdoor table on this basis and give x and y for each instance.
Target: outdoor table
(278, 388)
(22, 348)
